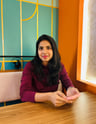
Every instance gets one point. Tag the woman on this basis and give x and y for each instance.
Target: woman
(41, 76)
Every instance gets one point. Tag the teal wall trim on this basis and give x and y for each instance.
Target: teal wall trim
(44, 20)
(29, 29)
(0, 33)
(55, 25)
(11, 16)
(45, 2)
(55, 3)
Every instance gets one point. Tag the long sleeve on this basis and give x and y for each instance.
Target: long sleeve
(65, 78)
(27, 92)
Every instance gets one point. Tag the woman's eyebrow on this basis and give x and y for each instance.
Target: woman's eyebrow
(48, 46)
(40, 46)
(45, 46)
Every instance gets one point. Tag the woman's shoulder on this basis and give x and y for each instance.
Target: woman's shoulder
(62, 65)
(29, 65)
(63, 70)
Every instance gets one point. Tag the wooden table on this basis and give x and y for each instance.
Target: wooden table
(83, 111)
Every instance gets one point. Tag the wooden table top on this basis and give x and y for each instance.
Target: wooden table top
(83, 111)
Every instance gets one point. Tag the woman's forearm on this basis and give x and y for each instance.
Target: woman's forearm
(57, 98)
(42, 97)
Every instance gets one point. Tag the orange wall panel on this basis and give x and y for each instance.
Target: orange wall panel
(69, 21)
(68, 34)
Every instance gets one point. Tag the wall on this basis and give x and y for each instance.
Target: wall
(68, 40)
(68, 36)
(21, 23)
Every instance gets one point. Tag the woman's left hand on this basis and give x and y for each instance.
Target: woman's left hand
(72, 94)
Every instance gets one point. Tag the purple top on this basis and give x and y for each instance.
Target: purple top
(30, 84)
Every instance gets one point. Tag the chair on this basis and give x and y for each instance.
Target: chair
(10, 86)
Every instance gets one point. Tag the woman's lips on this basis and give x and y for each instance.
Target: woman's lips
(45, 57)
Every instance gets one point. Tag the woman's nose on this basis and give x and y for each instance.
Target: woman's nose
(44, 50)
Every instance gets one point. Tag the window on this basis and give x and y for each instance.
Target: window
(86, 60)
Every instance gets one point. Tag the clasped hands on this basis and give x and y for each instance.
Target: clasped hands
(58, 98)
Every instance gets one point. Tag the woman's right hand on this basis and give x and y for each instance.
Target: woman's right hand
(58, 98)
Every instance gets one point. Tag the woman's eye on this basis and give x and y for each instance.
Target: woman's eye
(48, 47)
(40, 48)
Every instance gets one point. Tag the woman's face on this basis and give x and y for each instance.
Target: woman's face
(45, 52)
